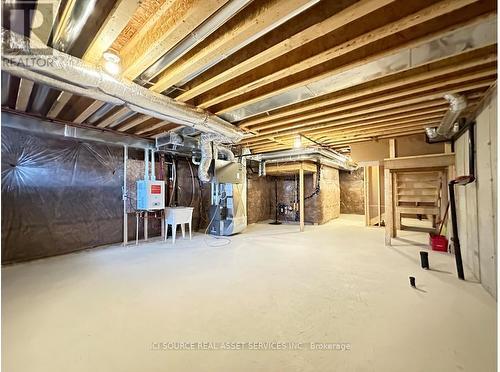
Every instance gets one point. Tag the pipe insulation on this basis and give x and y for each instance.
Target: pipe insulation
(458, 103)
(206, 157)
(146, 164)
(210, 144)
(153, 175)
(21, 57)
(327, 157)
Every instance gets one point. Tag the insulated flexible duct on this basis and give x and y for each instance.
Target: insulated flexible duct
(206, 157)
(33, 60)
(226, 152)
(208, 145)
(457, 105)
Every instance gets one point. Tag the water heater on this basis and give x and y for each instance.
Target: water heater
(150, 195)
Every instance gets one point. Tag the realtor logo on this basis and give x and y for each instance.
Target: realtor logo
(33, 19)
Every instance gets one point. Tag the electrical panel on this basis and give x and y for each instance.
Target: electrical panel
(150, 195)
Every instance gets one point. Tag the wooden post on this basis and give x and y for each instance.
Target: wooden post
(390, 216)
(389, 209)
(447, 147)
(392, 148)
(366, 184)
(379, 196)
(125, 196)
(301, 197)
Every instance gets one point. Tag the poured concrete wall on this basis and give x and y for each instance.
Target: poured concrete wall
(352, 192)
(476, 202)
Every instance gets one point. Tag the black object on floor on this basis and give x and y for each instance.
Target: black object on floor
(412, 281)
(424, 259)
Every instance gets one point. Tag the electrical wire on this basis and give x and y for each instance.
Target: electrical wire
(174, 181)
(225, 240)
(192, 183)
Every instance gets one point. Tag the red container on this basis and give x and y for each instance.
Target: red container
(438, 243)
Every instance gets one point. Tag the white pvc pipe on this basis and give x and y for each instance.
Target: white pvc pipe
(146, 164)
(153, 175)
(125, 196)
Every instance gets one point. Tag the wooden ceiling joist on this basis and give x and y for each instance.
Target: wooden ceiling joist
(392, 128)
(316, 107)
(389, 45)
(133, 123)
(152, 128)
(23, 95)
(259, 16)
(341, 43)
(325, 130)
(112, 119)
(405, 112)
(366, 122)
(173, 22)
(266, 49)
(85, 114)
(281, 41)
(59, 104)
(354, 117)
(432, 94)
(114, 24)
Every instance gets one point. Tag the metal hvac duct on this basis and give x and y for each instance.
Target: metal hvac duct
(210, 144)
(457, 105)
(247, 41)
(73, 75)
(324, 156)
(206, 157)
(76, 14)
(462, 39)
(198, 35)
(228, 154)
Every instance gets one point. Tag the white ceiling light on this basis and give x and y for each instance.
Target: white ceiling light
(111, 62)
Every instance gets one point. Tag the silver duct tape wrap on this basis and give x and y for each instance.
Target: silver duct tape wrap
(35, 61)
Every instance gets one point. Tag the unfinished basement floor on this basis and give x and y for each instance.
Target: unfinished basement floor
(106, 309)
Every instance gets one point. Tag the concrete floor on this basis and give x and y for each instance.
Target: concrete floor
(111, 309)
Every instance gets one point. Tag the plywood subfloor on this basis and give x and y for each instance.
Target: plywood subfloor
(102, 310)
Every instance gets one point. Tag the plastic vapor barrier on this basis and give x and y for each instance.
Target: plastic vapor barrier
(59, 194)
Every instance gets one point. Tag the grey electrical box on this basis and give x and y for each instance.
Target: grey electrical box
(228, 172)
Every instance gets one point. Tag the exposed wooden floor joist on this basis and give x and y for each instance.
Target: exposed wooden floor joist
(272, 49)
